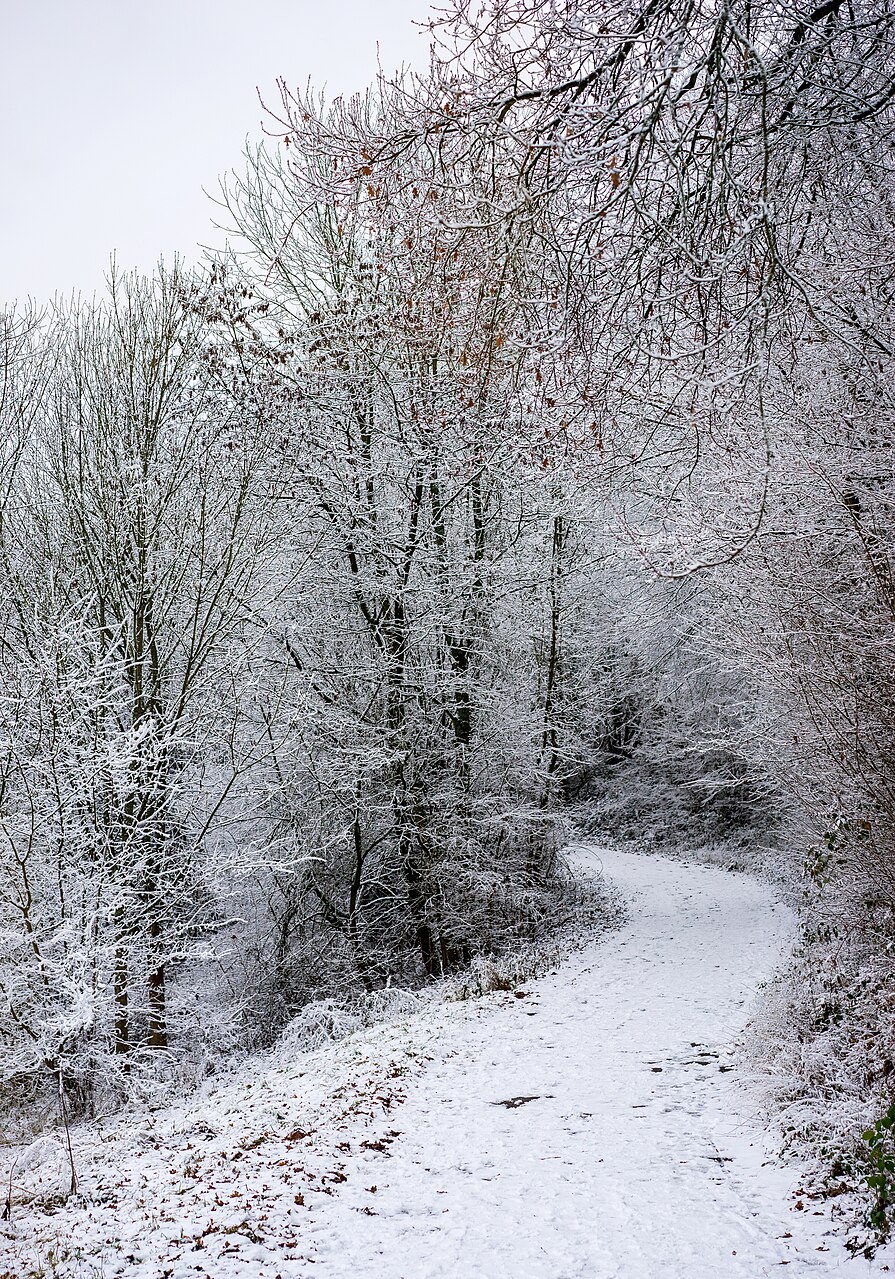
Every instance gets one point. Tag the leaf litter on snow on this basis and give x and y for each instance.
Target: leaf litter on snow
(220, 1184)
(205, 1186)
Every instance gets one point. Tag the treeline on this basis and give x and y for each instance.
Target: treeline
(293, 675)
(531, 444)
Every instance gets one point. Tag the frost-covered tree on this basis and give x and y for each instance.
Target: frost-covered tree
(423, 641)
(137, 532)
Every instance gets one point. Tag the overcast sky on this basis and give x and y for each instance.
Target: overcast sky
(115, 115)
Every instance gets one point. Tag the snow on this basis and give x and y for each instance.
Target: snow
(600, 1125)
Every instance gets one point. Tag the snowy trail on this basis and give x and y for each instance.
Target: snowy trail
(594, 1128)
(636, 1157)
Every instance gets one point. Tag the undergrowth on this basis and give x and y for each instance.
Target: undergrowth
(825, 1036)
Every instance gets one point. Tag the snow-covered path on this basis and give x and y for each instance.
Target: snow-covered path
(595, 1128)
(592, 1126)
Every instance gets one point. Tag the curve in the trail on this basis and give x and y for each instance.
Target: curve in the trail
(596, 1128)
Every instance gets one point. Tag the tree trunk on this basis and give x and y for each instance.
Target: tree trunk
(120, 995)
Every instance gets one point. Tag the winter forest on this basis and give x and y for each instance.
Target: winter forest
(521, 477)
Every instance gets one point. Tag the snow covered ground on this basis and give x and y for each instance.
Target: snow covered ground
(593, 1125)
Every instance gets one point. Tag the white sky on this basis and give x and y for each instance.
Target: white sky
(114, 114)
